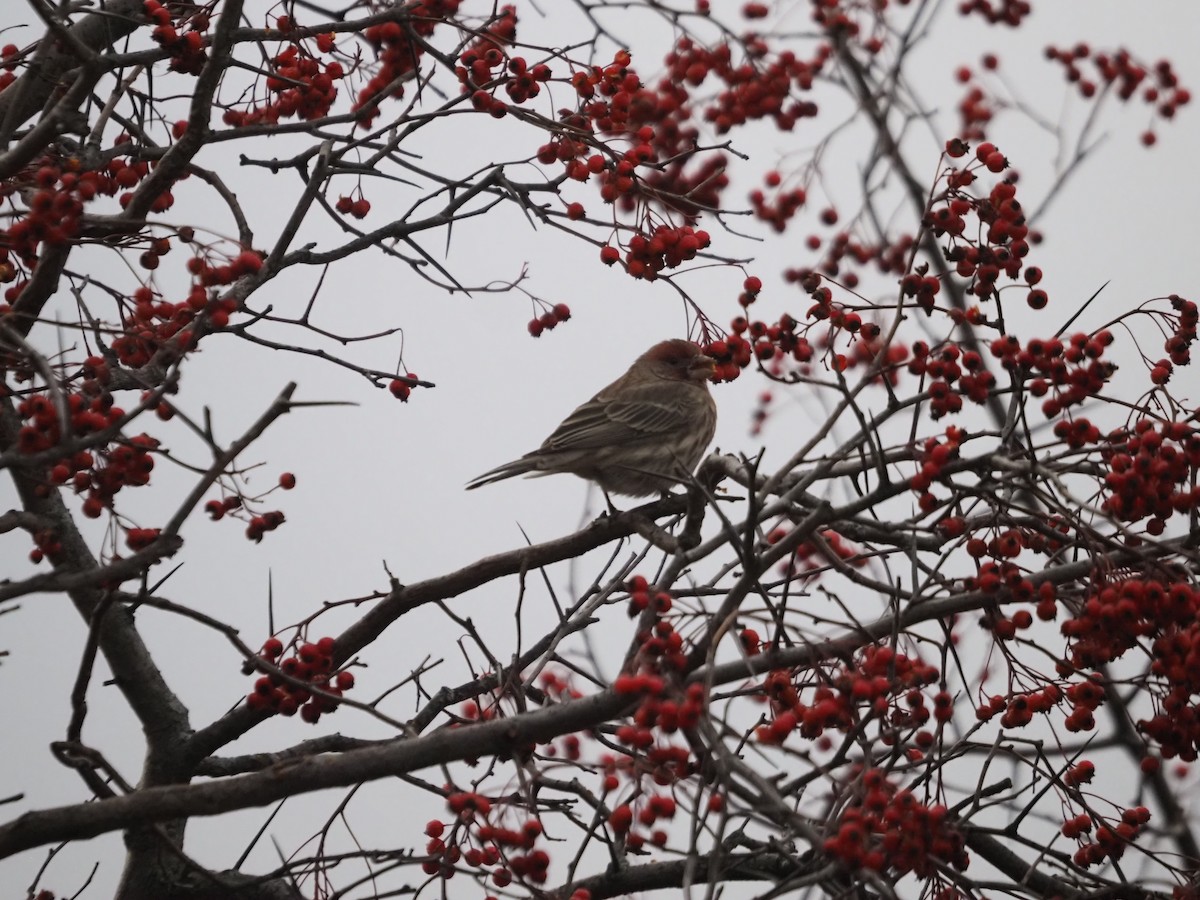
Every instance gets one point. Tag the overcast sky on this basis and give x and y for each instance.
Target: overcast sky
(380, 482)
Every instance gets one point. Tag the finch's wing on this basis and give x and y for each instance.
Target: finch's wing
(637, 414)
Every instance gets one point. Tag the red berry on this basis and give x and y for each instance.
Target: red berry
(956, 147)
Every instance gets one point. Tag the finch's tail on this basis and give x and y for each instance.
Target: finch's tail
(508, 470)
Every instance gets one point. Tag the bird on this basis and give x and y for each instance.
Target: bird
(641, 435)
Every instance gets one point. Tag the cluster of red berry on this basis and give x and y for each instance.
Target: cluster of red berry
(882, 681)
(999, 12)
(1085, 698)
(1006, 238)
(1071, 372)
(1126, 76)
(614, 102)
(1116, 616)
(510, 853)
(887, 829)
(661, 709)
(934, 455)
(300, 84)
(954, 374)
(302, 88)
(1175, 727)
(994, 577)
(1110, 839)
(56, 191)
(400, 49)
(259, 523)
(350, 206)
(653, 808)
(56, 195)
(45, 544)
(550, 319)
(809, 556)
(975, 109)
(761, 89)
(1020, 708)
(1151, 467)
(665, 765)
(401, 389)
(477, 62)
(10, 58)
(778, 210)
(100, 473)
(666, 247)
(159, 327)
(522, 83)
(187, 50)
(312, 666)
(731, 354)
(1178, 345)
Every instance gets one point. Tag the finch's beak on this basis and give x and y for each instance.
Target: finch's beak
(703, 367)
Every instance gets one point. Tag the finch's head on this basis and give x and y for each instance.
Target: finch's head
(679, 360)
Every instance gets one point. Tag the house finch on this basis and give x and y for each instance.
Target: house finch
(642, 434)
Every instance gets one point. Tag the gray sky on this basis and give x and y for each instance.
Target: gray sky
(380, 482)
